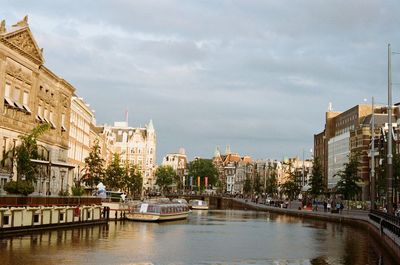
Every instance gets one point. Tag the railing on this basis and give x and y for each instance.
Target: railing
(47, 201)
(385, 220)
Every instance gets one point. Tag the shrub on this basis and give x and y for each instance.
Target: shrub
(19, 187)
(11, 187)
(77, 191)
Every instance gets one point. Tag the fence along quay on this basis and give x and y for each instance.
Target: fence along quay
(20, 215)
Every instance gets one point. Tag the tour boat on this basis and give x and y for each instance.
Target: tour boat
(198, 205)
(158, 212)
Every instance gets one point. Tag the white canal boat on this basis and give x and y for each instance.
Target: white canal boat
(158, 212)
(198, 205)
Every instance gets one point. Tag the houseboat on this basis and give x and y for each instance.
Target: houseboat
(198, 205)
(158, 212)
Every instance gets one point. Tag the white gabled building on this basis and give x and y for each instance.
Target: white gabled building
(136, 146)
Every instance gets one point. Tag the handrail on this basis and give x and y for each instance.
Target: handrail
(385, 220)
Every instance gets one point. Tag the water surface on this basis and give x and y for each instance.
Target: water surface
(207, 237)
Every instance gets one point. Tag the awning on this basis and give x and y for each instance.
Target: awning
(62, 164)
(9, 102)
(27, 109)
(18, 105)
(52, 125)
(45, 162)
(39, 118)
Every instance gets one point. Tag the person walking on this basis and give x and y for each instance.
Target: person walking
(325, 206)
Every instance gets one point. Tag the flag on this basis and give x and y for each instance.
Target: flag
(198, 181)
(191, 181)
(206, 182)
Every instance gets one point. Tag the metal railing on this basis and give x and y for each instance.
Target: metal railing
(385, 220)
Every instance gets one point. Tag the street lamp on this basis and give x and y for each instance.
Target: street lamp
(389, 194)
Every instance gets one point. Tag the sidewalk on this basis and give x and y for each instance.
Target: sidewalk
(293, 209)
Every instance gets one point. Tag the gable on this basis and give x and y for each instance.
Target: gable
(22, 40)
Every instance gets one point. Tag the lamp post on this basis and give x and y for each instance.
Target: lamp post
(373, 192)
(389, 193)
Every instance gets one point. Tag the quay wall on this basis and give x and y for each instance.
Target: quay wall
(19, 200)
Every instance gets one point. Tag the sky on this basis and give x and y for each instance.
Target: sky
(255, 75)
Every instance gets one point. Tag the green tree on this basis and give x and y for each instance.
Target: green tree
(247, 186)
(347, 185)
(291, 188)
(257, 187)
(317, 179)
(166, 176)
(134, 181)
(23, 154)
(115, 174)
(203, 168)
(272, 183)
(94, 164)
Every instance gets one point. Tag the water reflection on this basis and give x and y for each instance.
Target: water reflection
(207, 237)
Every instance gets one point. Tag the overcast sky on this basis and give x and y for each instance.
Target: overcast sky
(257, 75)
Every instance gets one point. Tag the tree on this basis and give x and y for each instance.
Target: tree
(272, 183)
(317, 179)
(203, 168)
(27, 150)
(94, 166)
(257, 187)
(247, 187)
(114, 174)
(134, 181)
(165, 177)
(291, 188)
(347, 185)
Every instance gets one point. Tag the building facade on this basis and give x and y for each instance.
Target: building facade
(136, 146)
(82, 117)
(178, 161)
(31, 95)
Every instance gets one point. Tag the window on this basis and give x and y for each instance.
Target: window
(52, 120)
(40, 113)
(6, 220)
(25, 102)
(16, 94)
(17, 98)
(61, 218)
(63, 122)
(46, 115)
(88, 215)
(36, 218)
(7, 98)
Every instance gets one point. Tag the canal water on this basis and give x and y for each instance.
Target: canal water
(207, 237)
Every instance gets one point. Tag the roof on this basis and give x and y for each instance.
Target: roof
(380, 119)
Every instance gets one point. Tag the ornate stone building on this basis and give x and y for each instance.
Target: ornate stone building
(136, 146)
(31, 95)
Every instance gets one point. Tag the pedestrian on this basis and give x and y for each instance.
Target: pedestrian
(325, 206)
(329, 206)
(337, 207)
(341, 207)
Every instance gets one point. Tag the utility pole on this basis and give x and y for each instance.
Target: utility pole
(373, 157)
(389, 193)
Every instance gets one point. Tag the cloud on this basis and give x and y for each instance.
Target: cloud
(256, 75)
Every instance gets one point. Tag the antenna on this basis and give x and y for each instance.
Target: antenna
(330, 106)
